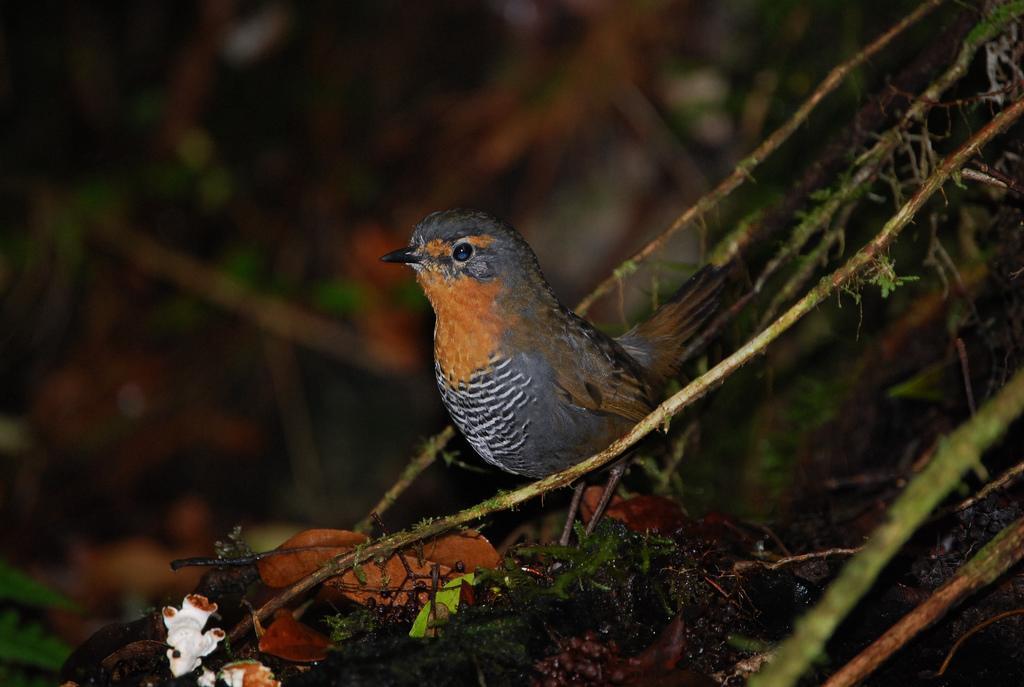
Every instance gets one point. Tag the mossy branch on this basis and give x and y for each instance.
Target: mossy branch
(860, 174)
(272, 314)
(747, 165)
(958, 453)
(862, 260)
(723, 253)
(420, 462)
(995, 558)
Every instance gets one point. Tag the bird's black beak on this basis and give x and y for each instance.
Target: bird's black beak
(406, 255)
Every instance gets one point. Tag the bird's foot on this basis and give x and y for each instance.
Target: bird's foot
(614, 475)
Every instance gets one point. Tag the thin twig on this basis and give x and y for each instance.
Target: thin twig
(286, 377)
(426, 456)
(861, 173)
(775, 538)
(988, 179)
(989, 175)
(664, 476)
(835, 155)
(965, 370)
(667, 148)
(973, 631)
(695, 390)
(1004, 480)
(818, 257)
(986, 566)
(740, 566)
(746, 166)
(959, 452)
(707, 202)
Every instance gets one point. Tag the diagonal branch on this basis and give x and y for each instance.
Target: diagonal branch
(844, 276)
(747, 165)
(859, 176)
(959, 452)
(273, 315)
(420, 462)
(703, 205)
(998, 556)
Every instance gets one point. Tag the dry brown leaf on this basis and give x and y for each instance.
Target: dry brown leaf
(643, 513)
(291, 640)
(591, 497)
(468, 547)
(304, 553)
(649, 513)
(388, 583)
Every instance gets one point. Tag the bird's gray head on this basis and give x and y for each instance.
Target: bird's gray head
(456, 244)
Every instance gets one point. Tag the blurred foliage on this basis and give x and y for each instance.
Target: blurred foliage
(273, 150)
(29, 654)
(17, 587)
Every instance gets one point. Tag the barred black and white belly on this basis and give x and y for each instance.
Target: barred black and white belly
(490, 411)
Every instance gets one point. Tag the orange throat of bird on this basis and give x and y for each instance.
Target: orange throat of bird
(469, 327)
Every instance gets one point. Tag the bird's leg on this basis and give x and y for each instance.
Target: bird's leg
(614, 475)
(574, 506)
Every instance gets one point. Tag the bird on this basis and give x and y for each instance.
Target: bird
(534, 387)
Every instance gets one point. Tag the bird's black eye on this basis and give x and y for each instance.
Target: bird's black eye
(462, 251)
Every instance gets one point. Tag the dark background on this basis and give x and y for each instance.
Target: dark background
(159, 156)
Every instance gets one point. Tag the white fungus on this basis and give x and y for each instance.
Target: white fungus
(185, 633)
(247, 674)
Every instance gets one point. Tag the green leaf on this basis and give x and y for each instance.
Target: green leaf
(28, 644)
(448, 596)
(18, 587)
